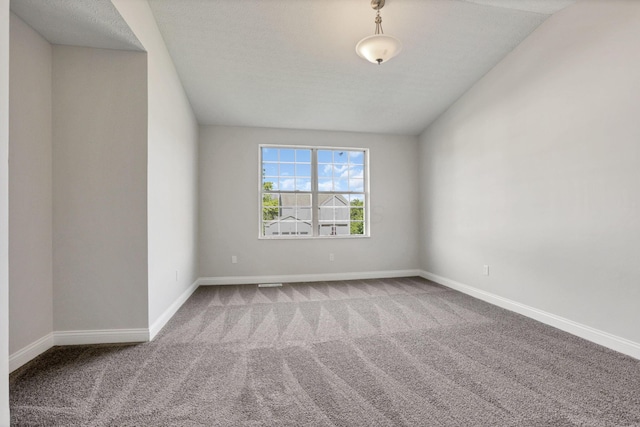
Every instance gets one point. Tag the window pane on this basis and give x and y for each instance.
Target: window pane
(270, 184)
(340, 171)
(287, 155)
(287, 169)
(303, 170)
(270, 206)
(325, 170)
(326, 214)
(342, 214)
(270, 169)
(340, 157)
(286, 227)
(295, 228)
(325, 156)
(287, 184)
(356, 157)
(303, 156)
(325, 184)
(356, 214)
(270, 228)
(325, 229)
(304, 228)
(326, 200)
(356, 172)
(340, 200)
(357, 199)
(342, 229)
(303, 184)
(303, 200)
(270, 213)
(340, 185)
(303, 214)
(287, 199)
(269, 154)
(356, 185)
(356, 228)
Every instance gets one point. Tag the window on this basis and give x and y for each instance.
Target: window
(313, 192)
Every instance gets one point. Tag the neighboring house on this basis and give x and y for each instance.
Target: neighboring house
(295, 218)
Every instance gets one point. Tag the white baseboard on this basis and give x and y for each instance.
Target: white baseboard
(295, 278)
(108, 336)
(597, 336)
(30, 352)
(103, 336)
(169, 312)
(100, 336)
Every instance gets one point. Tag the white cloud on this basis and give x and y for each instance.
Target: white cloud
(338, 170)
(352, 172)
(325, 186)
(356, 185)
(356, 157)
(287, 184)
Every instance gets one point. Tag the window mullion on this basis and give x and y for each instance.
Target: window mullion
(315, 209)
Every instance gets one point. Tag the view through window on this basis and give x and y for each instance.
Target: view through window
(313, 192)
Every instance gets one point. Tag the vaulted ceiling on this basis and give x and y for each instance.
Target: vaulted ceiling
(292, 63)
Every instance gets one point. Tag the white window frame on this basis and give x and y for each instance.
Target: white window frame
(315, 208)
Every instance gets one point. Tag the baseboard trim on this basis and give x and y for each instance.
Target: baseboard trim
(614, 342)
(103, 336)
(292, 278)
(30, 352)
(161, 321)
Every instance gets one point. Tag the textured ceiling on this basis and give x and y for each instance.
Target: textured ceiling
(292, 63)
(90, 23)
(539, 6)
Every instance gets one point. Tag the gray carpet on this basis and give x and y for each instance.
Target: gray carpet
(388, 352)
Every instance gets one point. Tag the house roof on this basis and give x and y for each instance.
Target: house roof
(300, 200)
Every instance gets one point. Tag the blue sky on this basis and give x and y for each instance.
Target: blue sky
(290, 169)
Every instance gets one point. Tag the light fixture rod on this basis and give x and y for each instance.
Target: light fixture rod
(379, 23)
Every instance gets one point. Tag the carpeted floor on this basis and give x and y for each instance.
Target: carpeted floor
(387, 352)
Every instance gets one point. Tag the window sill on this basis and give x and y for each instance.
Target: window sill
(312, 237)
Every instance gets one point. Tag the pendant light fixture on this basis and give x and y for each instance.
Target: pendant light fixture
(379, 47)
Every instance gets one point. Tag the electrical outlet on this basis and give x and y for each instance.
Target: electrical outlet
(485, 270)
(234, 259)
(331, 257)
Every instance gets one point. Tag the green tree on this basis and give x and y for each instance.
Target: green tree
(269, 203)
(357, 217)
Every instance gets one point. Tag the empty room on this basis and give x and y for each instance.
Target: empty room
(320, 213)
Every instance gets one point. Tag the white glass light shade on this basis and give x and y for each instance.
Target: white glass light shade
(378, 48)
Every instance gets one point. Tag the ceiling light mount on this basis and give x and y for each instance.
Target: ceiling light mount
(379, 47)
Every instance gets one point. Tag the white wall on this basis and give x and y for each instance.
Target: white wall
(535, 172)
(99, 189)
(229, 207)
(30, 188)
(172, 169)
(4, 213)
